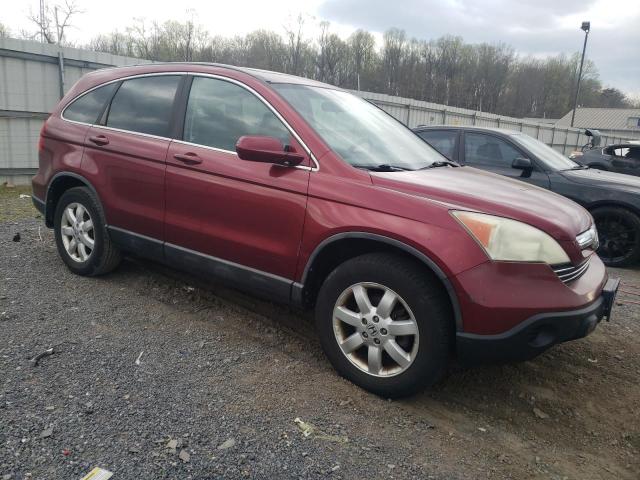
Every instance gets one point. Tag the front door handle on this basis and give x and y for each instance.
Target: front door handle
(189, 158)
(99, 140)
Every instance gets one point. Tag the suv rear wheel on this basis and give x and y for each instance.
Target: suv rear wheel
(385, 324)
(81, 235)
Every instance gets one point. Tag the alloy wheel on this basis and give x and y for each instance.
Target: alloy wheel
(77, 232)
(375, 329)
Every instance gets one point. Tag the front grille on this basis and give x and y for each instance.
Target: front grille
(568, 273)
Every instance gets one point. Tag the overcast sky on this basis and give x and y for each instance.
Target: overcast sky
(536, 27)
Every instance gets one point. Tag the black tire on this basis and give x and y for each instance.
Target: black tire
(105, 256)
(619, 233)
(426, 298)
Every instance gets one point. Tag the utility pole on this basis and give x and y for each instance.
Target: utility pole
(42, 21)
(586, 26)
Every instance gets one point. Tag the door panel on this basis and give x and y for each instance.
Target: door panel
(127, 150)
(128, 173)
(491, 153)
(626, 160)
(244, 212)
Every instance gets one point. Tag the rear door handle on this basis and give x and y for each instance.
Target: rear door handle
(99, 140)
(189, 158)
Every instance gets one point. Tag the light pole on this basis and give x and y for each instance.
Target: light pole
(586, 26)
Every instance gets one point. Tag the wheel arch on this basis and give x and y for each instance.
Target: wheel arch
(615, 204)
(60, 183)
(340, 247)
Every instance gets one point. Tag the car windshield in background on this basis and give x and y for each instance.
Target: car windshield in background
(362, 134)
(548, 155)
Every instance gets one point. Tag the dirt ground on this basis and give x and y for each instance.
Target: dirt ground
(224, 376)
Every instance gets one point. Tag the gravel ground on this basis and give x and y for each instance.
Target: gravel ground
(157, 374)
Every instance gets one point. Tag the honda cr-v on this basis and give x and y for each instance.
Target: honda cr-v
(306, 194)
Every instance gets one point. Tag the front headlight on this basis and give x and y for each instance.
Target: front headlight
(509, 240)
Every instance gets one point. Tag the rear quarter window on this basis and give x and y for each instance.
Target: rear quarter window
(89, 106)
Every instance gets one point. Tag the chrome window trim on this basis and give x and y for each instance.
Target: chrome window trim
(208, 147)
(141, 134)
(141, 75)
(314, 168)
(231, 152)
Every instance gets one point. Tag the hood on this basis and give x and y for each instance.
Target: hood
(467, 188)
(600, 178)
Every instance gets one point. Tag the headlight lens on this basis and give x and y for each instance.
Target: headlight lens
(589, 239)
(509, 240)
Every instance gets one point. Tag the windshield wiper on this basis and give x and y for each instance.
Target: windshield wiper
(385, 167)
(441, 163)
(579, 167)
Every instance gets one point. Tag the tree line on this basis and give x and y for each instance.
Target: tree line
(446, 70)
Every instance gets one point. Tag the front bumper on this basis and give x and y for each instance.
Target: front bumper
(536, 334)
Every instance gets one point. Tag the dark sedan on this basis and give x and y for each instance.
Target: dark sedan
(613, 199)
(621, 158)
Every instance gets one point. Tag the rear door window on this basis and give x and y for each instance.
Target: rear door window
(144, 105)
(220, 112)
(443, 141)
(621, 152)
(89, 106)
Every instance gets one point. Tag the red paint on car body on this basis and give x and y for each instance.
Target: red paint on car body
(272, 218)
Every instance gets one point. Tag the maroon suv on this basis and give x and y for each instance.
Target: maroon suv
(308, 195)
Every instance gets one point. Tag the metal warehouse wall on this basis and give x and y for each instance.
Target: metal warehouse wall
(34, 76)
(416, 112)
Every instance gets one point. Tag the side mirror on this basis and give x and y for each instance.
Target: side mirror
(521, 163)
(256, 148)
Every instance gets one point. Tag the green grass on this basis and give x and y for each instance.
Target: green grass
(12, 207)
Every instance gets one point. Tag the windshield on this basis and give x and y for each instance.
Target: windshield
(362, 134)
(552, 158)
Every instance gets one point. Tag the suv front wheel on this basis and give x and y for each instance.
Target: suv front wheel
(619, 232)
(81, 234)
(385, 324)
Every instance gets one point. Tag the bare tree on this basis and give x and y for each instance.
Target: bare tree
(53, 25)
(331, 58)
(362, 57)
(298, 48)
(444, 70)
(4, 31)
(392, 54)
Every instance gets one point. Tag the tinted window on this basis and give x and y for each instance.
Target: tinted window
(442, 140)
(630, 153)
(144, 105)
(621, 152)
(552, 158)
(488, 151)
(87, 108)
(220, 112)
